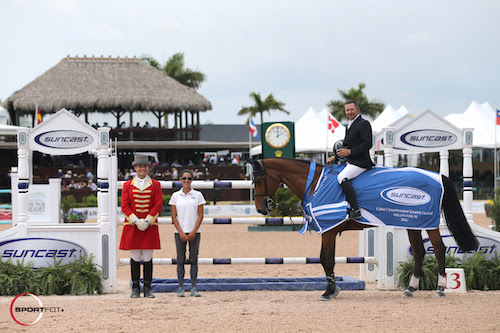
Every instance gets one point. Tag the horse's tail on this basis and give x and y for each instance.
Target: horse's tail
(455, 218)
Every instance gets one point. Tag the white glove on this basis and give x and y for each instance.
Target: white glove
(142, 224)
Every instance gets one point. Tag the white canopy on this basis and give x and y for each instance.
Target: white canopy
(4, 116)
(481, 117)
(9, 129)
(312, 134)
(387, 117)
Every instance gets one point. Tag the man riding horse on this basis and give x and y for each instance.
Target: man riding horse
(356, 151)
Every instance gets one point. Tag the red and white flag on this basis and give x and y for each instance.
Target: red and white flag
(38, 116)
(332, 123)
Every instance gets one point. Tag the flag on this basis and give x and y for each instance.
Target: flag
(332, 124)
(38, 116)
(498, 117)
(253, 129)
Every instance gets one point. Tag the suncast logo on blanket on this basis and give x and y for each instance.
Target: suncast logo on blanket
(407, 196)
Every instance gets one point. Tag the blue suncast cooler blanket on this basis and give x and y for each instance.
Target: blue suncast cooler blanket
(400, 197)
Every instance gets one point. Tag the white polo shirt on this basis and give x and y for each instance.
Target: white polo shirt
(187, 208)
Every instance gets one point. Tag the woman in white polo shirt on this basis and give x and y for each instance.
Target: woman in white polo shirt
(187, 214)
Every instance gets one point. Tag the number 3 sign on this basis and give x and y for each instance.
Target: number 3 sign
(455, 280)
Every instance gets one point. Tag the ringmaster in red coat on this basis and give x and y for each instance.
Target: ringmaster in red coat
(141, 201)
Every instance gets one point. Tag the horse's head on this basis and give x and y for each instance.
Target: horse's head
(265, 185)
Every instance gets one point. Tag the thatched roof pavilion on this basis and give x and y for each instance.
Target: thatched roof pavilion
(116, 85)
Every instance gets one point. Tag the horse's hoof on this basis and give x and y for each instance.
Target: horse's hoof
(407, 294)
(327, 296)
(439, 294)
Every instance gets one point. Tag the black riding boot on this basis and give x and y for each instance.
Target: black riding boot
(148, 278)
(135, 272)
(355, 212)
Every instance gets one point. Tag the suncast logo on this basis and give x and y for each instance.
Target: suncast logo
(406, 196)
(64, 139)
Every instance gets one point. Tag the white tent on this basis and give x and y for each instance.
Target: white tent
(481, 117)
(9, 129)
(312, 134)
(4, 116)
(387, 117)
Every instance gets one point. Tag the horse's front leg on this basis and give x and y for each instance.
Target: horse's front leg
(417, 245)
(328, 262)
(439, 252)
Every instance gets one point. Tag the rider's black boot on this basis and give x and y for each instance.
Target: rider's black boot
(355, 212)
(135, 272)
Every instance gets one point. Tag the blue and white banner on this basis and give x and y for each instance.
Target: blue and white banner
(399, 197)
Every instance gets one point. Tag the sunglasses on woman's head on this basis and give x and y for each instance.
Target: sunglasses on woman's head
(186, 178)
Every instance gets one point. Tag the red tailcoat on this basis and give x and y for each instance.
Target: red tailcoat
(141, 204)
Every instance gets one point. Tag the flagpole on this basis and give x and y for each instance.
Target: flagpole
(250, 156)
(495, 160)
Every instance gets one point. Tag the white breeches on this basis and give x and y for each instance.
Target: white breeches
(146, 255)
(350, 171)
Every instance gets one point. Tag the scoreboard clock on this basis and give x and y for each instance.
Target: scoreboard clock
(278, 139)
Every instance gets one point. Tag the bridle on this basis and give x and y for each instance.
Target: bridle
(259, 170)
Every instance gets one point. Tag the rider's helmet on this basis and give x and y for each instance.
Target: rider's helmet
(336, 146)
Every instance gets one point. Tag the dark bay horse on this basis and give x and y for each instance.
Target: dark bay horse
(269, 173)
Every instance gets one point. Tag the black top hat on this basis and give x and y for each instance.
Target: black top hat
(140, 159)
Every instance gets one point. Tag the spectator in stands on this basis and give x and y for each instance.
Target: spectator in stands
(138, 124)
(106, 125)
(127, 175)
(64, 186)
(90, 176)
(190, 163)
(68, 174)
(147, 125)
(92, 185)
(175, 173)
(123, 125)
(205, 161)
(81, 164)
(167, 173)
(197, 174)
(235, 160)
(213, 159)
(59, 173)
(133, 173)
(176, 164)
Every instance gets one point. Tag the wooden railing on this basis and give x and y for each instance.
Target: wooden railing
(155, 134)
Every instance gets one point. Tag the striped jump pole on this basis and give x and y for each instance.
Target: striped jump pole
(204, 184)
(260, 261)
(243, 220)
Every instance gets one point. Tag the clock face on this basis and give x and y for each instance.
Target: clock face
(277, 135)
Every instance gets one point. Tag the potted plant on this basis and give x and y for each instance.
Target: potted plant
(74, 216)
(54, 279)
(86, 277)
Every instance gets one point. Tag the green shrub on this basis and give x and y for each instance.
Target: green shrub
(287, 203)
(54, 279)
(494, 211)
(67, 202)
(18, 278)
(480, 273)
(79, 277)
(86, 278)
(89, 201)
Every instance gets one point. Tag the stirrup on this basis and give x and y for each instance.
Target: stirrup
(355, 214)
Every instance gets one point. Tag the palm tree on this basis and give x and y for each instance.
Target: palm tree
(174, 67)
(260, 106)
(371, 108)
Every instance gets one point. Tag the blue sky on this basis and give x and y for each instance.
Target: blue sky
(439, 55)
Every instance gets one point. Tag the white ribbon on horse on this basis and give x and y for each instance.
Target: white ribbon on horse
(400, 197)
